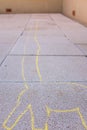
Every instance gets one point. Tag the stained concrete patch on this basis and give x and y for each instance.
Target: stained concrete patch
(48, 95)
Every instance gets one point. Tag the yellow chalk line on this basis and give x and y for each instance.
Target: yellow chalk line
(38, 52)
(82, 118)
(39, 75)
(77, 110)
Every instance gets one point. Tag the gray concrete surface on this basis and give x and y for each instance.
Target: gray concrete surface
(69, 28)
(63, 46)
(60, 68)
(43, 73)
(83, 47)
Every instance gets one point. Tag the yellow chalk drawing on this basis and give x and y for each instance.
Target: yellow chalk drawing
(29, 107)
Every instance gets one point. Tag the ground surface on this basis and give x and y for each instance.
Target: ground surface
(43, 73)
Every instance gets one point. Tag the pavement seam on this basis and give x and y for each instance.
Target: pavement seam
(15, 42)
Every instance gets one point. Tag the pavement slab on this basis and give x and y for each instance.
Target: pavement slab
(52, 68)
(83, 48)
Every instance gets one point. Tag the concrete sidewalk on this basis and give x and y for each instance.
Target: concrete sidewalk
(43, 73)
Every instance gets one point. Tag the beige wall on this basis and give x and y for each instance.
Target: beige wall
(80, 7)
(31, 6)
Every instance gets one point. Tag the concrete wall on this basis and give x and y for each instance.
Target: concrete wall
(76, 9)
(30, 6)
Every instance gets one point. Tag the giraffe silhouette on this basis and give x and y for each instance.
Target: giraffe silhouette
(43, 99)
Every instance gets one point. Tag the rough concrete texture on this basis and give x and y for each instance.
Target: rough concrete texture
(43, 73)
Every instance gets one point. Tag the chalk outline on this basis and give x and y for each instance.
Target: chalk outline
(29, 107)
